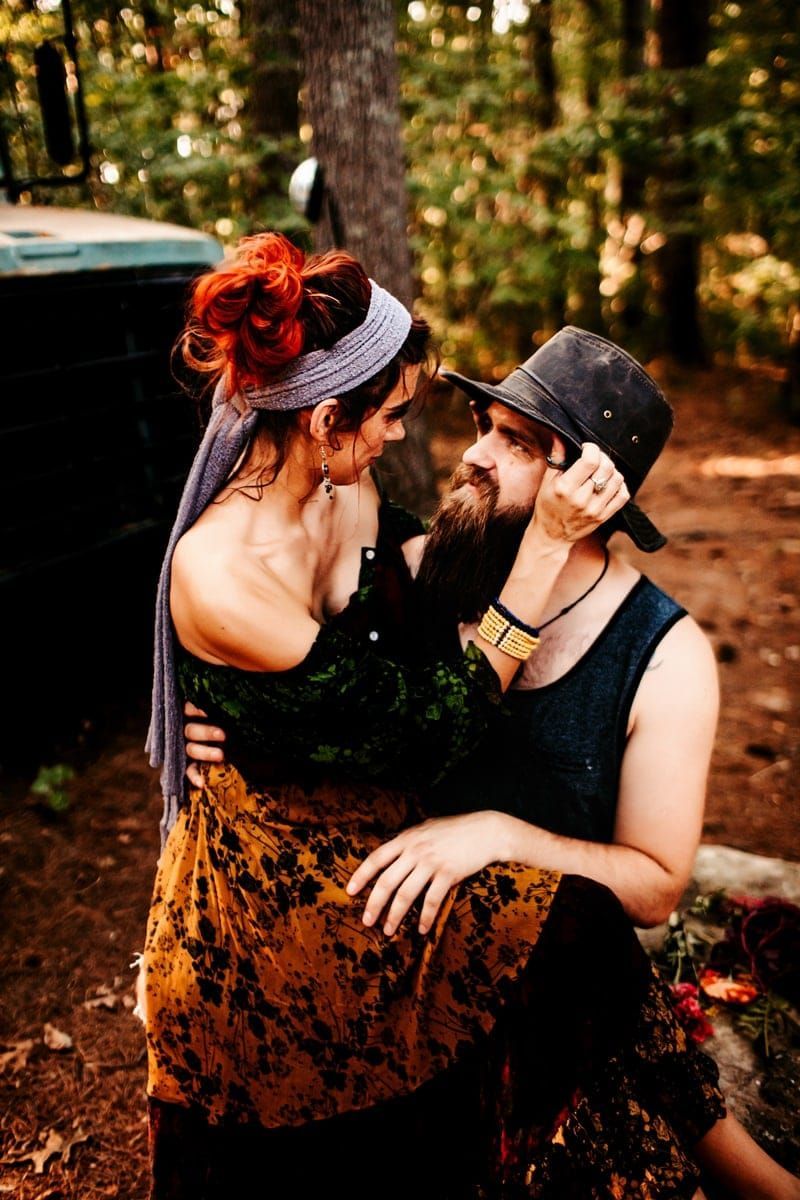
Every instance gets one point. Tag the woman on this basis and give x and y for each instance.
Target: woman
(272, 1011)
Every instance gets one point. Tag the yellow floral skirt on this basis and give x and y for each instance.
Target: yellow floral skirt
(267, 998)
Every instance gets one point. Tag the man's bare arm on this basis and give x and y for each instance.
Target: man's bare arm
(662, 788)
(659, 814)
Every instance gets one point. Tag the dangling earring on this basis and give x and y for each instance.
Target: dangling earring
(326, 474)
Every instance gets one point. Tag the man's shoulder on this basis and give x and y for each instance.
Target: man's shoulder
(649, 596)
(642, 613)
(673, 630)
(681, 673)
(685, 638)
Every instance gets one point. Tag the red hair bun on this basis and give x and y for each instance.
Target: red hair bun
(245, 313)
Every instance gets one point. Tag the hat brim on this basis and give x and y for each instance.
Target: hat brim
(536, 402)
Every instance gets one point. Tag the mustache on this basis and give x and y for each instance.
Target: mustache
(465, 473)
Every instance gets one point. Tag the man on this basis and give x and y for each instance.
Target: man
(602, 770)
(603, 766)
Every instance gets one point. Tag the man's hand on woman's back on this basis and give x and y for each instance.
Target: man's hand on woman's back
(202, 742)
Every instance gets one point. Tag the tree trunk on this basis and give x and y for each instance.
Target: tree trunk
(791, 392)
(275, 85)
(545, 116)
(682, 32)
(540, 24)
(632, 37)
(632, 176)
(590, 313)
(353, 107)
(276, 68)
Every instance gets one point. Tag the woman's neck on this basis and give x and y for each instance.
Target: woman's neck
(287, 495)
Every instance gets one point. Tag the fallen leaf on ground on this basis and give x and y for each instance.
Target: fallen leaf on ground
(109, 1001)
(105, 998)
(17, 1057)
(77, 1138)
(54, 1144)
(56, 1039)
(129, 823)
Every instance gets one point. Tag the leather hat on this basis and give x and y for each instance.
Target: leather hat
(587, 389)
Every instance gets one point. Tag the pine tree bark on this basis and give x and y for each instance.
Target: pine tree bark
(540, 24)
(590, 313)
(545, 113)
(682, 32)
(276, 67)
(352, 104)
(632, 176)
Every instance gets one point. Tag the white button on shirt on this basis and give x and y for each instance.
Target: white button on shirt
(370, 554)
(373, 635)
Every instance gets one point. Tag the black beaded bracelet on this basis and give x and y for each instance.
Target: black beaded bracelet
(509, 616)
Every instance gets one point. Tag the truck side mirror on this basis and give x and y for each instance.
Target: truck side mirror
(51, 81)
(310, 195)
(307, 189)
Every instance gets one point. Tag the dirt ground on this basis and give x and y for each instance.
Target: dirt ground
(75, 887)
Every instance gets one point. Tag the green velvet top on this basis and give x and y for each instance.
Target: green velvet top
(357, 704)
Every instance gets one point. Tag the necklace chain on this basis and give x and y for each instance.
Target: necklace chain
(583, 595)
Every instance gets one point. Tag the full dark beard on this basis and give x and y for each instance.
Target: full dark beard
(469, 552)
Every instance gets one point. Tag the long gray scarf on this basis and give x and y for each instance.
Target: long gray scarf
(351, 361)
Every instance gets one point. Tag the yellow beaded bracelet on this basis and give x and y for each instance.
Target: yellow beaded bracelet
(498, 631)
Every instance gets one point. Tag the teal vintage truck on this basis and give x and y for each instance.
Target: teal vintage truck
(95, 440)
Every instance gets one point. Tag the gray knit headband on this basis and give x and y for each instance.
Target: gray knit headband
(351, 361)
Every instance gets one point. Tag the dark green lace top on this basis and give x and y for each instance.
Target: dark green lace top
(357, 704)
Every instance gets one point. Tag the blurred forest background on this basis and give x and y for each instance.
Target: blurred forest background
(630, 166)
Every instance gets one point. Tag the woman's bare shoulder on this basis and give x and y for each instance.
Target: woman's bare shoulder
(230, 609)
(199, 554)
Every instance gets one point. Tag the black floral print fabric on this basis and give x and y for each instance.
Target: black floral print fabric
(267, 997)
(580, 1092)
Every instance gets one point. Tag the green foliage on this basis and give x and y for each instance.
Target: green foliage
(515, 225)
(167, 92)
(51, 785)
(768, 1019)
(518, 222)
(502, 211)
(682, 950)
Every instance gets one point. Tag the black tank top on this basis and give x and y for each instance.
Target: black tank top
(557, 760)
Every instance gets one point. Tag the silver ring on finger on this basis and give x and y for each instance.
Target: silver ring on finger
(600, 485)
(555, 463)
